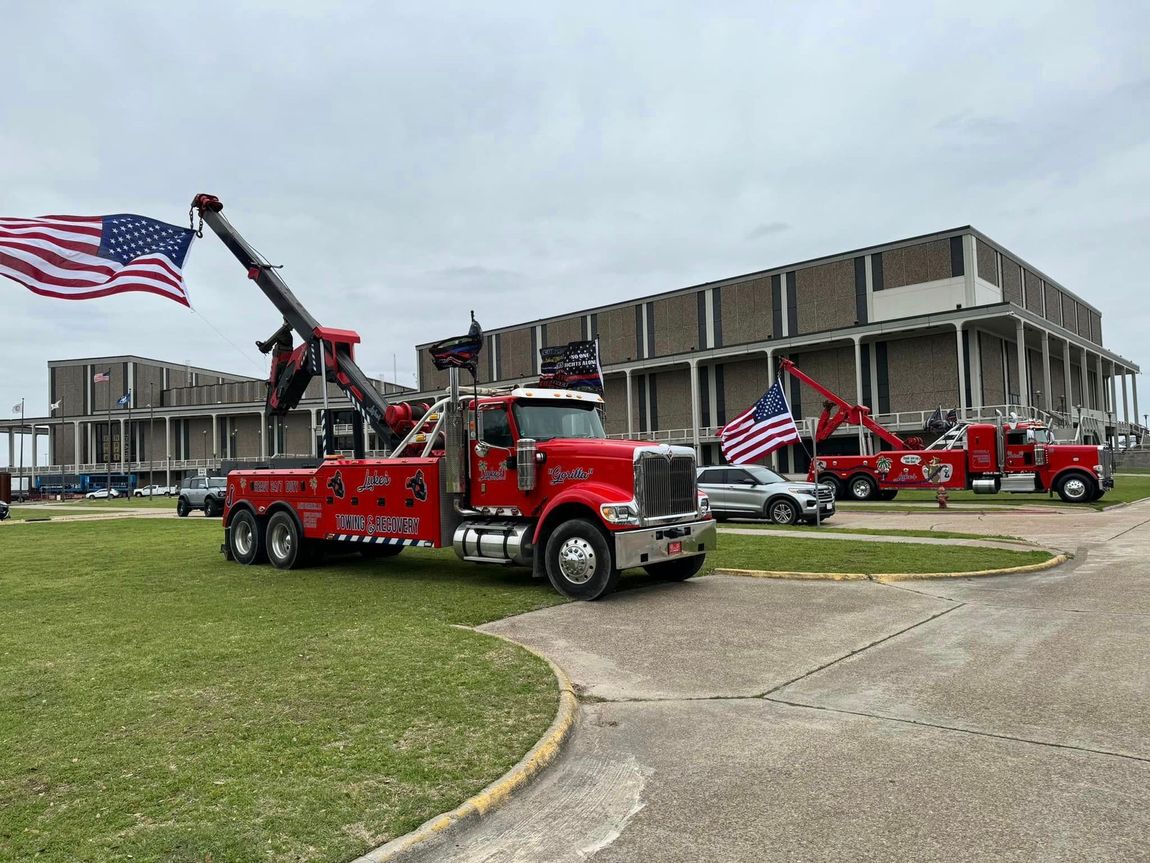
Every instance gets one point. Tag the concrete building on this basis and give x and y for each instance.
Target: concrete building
(180, 420)
(950, 318)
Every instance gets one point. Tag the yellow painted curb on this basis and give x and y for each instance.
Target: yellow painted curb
(885, 577)
(497, 793)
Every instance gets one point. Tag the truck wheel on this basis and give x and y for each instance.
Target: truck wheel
(374, 551)
(579, 562)
(283, 541)
(212, 508)
(182, 508)
(862, 487)
(679, 569)
(1077, 488)
(834, 483)
(781, 511)
(244, 541)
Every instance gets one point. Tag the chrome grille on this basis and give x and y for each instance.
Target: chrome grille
(665, 486)
(1106, 457)
(825, 493)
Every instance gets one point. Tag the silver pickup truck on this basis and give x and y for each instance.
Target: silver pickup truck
(202, 492)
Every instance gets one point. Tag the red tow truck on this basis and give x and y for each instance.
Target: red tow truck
(986, 458)
(521, 476)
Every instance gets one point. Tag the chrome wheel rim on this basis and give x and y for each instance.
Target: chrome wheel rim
(861, 489)
(1075, 488)
(242, 537)
(577, 560)
(781, 513)
(280, 541)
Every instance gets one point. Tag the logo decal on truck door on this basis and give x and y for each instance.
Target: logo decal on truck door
(336, 484)
(417, 485)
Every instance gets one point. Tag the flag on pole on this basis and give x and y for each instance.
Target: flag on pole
(83, 257)
(761, 429)
(56, 405)
(574, 366)
(122, 401)
(102, 377)
(16, 408)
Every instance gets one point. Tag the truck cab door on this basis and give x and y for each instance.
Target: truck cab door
(494, 482)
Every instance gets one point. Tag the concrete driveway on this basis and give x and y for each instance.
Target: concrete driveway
(726, 719)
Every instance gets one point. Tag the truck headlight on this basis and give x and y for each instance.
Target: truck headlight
(619, 513)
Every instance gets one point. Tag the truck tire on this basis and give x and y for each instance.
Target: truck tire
(245, 540)
(374, 551)
(888, 494)
(1076, 487)
(182, 508)
(283, 541)
(579, 561)
(781, 510)
(834, 483)
(862, 487)
(679, 569)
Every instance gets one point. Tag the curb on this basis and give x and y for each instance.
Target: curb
(884, 577)
(546, 750)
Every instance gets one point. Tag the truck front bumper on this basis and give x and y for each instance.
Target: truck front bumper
(657, 544)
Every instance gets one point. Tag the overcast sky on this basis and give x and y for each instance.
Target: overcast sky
(406, 162)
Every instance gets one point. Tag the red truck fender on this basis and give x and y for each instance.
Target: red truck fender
(585, 496)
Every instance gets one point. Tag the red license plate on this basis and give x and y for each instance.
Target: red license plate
(675, 548)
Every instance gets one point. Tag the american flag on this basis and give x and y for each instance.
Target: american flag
(82, 257)
(759, 430)
(102, 377)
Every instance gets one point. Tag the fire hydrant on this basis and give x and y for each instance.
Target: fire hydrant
(942, 497)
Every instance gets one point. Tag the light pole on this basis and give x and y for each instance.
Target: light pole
(205, 434)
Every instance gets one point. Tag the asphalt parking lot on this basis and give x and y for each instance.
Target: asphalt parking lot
(992, 719)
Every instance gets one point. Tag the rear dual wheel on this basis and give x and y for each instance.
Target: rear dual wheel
(245, 539)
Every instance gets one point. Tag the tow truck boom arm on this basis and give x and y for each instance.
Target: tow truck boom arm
(324, 351)
(848, 413)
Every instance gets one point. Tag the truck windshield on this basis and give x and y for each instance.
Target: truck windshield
(545, 420)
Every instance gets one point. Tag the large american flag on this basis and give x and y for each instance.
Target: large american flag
(759, 430)
(82, 257)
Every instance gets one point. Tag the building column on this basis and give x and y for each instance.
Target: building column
(167, 451)
(1085, 379)
(1134, 395)
(1125, 397)
(975, 360)
(961, 351)
(124, 447)
(76, 444)
(263, 437)
(630, 402)
(1023, 380)
(1049, 400)
(32, 476)
(312, 448)
(696, 419)
(11, 448)
(215, 436)
(1066, 376)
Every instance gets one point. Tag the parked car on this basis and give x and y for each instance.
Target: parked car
(152, 491)
(4, 511)
(753, 491)
(202, 492)
(102, 494)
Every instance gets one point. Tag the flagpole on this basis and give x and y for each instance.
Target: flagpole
(152, 437)
(108, 443)
(815, 460)
(22, 448)
(128, 458)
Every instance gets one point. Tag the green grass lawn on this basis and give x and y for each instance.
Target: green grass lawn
(874, 531)
(162, 704)
(1126, 490)
(792, 554)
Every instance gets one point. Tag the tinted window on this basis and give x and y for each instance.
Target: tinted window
(711, 477)
(495, 427)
